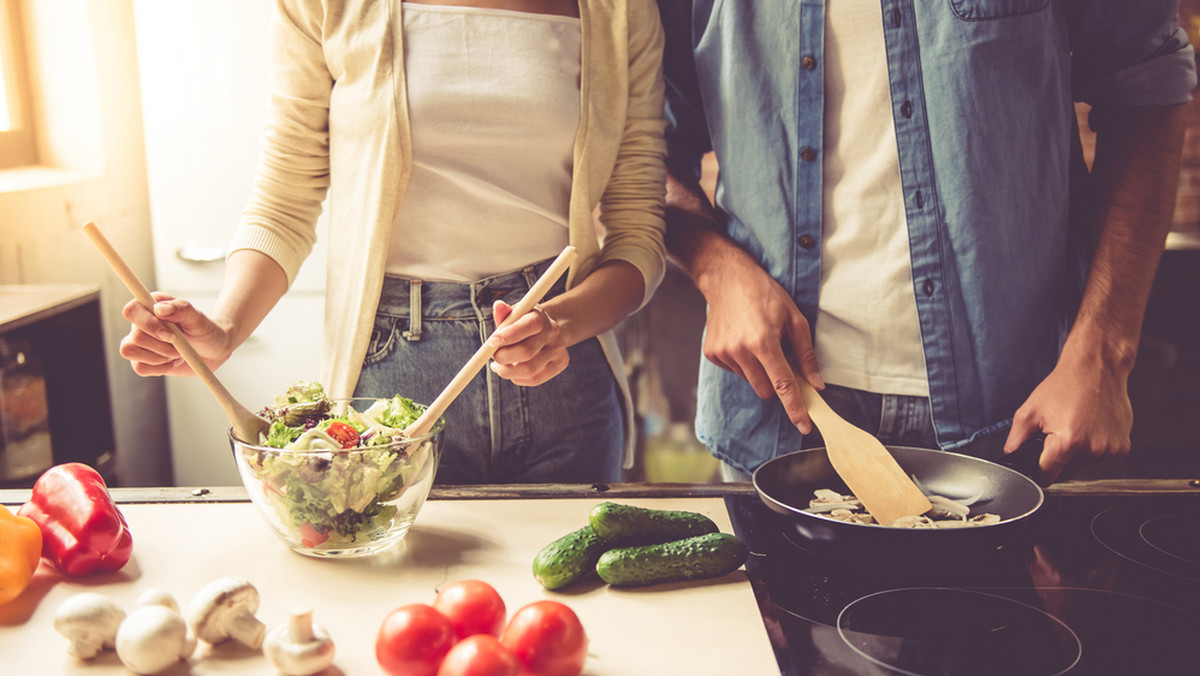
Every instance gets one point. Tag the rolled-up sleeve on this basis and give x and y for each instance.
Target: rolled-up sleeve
(1127, 55)
(687, 129)
(292, 176)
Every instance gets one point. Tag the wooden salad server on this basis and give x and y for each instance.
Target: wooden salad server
(477, 361)
(862, 461)
(246, 425)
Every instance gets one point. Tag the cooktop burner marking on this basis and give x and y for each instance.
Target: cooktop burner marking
(1174, 535)
(1157, 541)
(922, 631)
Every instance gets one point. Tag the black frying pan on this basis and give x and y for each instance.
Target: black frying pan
(786, 484)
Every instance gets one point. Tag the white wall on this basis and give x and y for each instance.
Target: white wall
(87, 105)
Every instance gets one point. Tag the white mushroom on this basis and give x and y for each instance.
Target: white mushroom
(943, 507)
(157, 597)
(153, 638)
(299, 648)
(826, 495)
(916, 521)
(90, 621)
(224, 608)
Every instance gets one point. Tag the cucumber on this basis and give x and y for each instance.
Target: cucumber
(569, 558)
(694, 558)
(626, 525)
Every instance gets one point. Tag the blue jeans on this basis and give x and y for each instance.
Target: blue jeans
(567, 430)
(895, 420)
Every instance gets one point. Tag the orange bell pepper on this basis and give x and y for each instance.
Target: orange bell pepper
(20, 552)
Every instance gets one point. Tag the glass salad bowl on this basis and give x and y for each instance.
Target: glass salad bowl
(353, 499)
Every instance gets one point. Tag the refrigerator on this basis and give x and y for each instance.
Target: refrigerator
(203, 68)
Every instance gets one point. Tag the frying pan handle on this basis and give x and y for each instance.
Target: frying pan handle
(1025, 458)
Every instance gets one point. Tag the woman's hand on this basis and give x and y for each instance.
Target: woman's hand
(149, 348)
(532, 349)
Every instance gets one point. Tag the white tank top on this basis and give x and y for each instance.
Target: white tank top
(493, 98)
(867, 335)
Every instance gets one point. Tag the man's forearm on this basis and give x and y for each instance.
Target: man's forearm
(1134, 178)
(694, 239)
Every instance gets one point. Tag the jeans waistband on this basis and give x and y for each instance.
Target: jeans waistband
(419, 299)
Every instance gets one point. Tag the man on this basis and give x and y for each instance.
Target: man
(903, 212)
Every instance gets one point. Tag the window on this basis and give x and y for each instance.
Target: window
(17, 142)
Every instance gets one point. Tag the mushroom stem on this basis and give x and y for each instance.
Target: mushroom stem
(300, 626)
(246, 629)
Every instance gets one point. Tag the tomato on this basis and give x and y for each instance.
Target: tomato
(310, 536)
(548, 638)
(346, 435)
(412, 640)
(473, 607)
(480, 655)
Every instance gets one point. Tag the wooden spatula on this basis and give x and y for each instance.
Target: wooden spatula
(477, 361)
(246, 425)
(869, 470)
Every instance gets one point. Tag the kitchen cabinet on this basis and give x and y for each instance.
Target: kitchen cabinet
(703, 627)
(55, 342)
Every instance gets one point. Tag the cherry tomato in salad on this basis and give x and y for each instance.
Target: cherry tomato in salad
(480, 655)
(310, 536)
(548, 638)
(472, 606)
(344, 433)
(412, 640)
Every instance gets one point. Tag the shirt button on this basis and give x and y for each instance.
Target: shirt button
(928, 287)
(809, 63)
(920, 200)
(906, 108)
(807, 242)
(896, 17)
(808, 154)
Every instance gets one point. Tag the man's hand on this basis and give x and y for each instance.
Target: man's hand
(1083, 405)
(755, 330)
(1083, 409)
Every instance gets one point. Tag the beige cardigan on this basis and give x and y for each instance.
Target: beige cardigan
(337, 122)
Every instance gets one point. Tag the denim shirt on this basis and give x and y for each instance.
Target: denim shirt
(982, 97)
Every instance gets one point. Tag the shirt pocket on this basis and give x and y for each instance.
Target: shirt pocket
(978, 10)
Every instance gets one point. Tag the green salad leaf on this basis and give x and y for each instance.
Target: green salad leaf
(340, 493)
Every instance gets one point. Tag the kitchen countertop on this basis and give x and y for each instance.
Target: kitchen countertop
(745, 623)
(24, 304)
(184, 538)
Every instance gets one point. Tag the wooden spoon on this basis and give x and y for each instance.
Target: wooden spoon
(246, 425)
(869, 470)
(477, 361)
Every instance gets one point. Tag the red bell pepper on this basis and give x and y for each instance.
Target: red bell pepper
(82, 529)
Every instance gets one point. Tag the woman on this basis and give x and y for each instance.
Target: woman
(462, 143)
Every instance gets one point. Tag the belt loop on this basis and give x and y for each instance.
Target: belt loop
(530, 273)
(414, 310)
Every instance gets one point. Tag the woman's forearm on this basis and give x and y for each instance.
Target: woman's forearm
(609, 294)
(253, 284)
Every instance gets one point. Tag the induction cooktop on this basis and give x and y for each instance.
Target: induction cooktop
(1092, 586)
